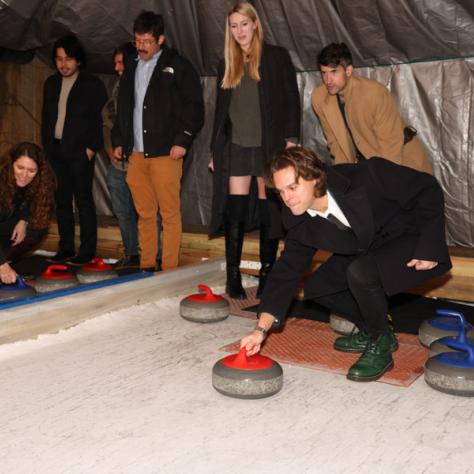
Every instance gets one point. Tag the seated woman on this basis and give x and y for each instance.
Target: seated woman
(26, 203)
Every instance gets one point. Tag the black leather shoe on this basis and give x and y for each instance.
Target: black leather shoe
(61, 256)
(148, 269)
(129, 261)
(79, 260)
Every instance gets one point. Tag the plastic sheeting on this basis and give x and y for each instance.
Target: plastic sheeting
(422, 50)
(434, 97)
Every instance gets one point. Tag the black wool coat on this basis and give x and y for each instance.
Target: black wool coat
(280, 109)
(83, 123)
(173, 108)
(396, 214)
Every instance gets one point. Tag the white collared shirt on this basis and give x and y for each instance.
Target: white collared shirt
(142, 79)
(333, 208)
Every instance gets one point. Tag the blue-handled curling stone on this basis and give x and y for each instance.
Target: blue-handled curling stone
(452, 372)
(447, 324)
(441, 345)
(16, 290)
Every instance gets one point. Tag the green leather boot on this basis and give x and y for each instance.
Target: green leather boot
(375, 361)
(357, 342)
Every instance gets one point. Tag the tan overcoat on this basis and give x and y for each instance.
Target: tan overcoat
(375, 122)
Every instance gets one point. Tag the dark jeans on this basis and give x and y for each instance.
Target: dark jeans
(124, 210)
(74, 175)
(365, 302)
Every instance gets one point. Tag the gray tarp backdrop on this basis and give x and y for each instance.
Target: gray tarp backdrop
(423, 51)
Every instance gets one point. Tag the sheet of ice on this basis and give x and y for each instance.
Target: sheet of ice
(130, 392)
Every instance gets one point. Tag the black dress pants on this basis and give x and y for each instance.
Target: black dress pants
(74, 174)
(365, 302)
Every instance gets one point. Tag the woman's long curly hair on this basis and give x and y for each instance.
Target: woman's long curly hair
(39, 193)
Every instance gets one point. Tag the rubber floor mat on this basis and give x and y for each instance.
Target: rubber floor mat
(310, 344)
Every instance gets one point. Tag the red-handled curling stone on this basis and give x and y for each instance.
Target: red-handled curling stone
(96, 270)
(204, 307)
(242, 376)
(55, 277)
(16, 290)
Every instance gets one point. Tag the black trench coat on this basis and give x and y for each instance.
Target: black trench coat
(280, 108)
(395, 213)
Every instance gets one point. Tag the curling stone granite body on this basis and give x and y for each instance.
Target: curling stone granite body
(17, 290)
(436, 328)
(55, 277)
(452, 372)
(251, 377)
(342, 325)
(96, 270)
(440, 345)
(204, 307)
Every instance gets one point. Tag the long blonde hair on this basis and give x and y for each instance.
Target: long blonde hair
(233, 54)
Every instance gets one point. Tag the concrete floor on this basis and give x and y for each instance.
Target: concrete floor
(130, 392)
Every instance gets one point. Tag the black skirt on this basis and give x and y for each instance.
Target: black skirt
(246, 161)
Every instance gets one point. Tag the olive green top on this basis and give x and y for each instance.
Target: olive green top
(244, 113)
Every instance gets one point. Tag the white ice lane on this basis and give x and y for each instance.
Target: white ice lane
(130, 392)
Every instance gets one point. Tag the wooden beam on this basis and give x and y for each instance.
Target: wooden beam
(458, 284)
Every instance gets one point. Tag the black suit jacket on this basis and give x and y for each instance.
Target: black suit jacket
(395, 213)
(173, 108)
(83, 123)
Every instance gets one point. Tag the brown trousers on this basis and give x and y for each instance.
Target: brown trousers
(155, 186)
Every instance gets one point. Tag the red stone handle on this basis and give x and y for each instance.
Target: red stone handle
(52, 268)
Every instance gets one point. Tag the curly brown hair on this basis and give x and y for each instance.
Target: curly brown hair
(39, 193)
(305, 163)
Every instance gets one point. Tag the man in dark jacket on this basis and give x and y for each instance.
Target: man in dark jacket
(72, 133)
(384, 238)
(160, 110)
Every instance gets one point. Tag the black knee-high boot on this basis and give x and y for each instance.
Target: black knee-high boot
(268, 246)
(234, 237)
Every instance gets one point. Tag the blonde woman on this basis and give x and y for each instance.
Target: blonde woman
(257, 113)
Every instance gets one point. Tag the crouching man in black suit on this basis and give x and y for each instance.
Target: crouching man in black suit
(384, 225)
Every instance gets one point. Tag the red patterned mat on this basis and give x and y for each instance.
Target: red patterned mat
(236, 307)
(309, 344)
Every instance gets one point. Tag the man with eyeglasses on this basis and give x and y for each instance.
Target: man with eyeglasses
(160, 110)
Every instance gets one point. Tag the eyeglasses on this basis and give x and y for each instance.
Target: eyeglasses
(144, 42)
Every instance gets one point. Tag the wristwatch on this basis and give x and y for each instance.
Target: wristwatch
(260, 329)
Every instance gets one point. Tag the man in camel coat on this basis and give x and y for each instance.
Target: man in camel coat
(359, 116)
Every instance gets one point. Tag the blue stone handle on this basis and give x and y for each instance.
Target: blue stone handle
(462, 346)
(20, 282)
